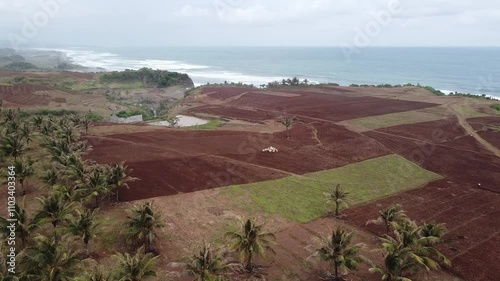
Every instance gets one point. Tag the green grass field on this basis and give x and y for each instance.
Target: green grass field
(303, 199)
(400, 118)
(212, 125)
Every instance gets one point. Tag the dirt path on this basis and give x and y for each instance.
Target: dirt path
(315, 134)
(468, 128)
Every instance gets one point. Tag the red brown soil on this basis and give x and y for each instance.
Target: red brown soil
(21, 95)
(471, 213)
(444, 133)
(334, 106)
(434, 131)
(491, 120)
(225, 92)
(235, 113)
(172, 161)
(48, 75)
(181, 161)
(492, 137)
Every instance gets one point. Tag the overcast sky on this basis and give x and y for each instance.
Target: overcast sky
(251, 22)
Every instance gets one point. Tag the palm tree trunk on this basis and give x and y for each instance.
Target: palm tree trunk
(336, 271)
(87, 253)
(56, 237)
(23, 240)
(147, 244)
(337, 209)
(86, 240)
(249, 261)
(117, 195)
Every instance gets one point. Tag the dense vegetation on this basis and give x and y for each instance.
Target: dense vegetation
(483, 96)
(20, 66)
(126, 114)
(496, 107)
(149, 77)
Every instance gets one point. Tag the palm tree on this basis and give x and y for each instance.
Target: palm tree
(395, 260)
(24, 169)
(38, 121)
(54, 210)
(392, 214)
(337, 196)
(84, 226)
(287, 121)
(5, 275)
(50, 261)
(118, 177)
(24, 226)
(95, 184)
(25, 132)
(137, 267)
(335, 249)
(51, 177)
(57, 148)
(47, 127)
(97, 274)
(86, 122)
(142, 224)
(416, 237)
(250, 240)
(433, 230)
(10, 116)
(13, 127)
(407, 251)
(68, 133)
(76, 169)
(12, 146)
(67, 193)
(206, 265)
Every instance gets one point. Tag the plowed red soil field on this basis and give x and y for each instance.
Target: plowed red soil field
(236, 113)
(335, 106)
(22, 95)
(471, 212)
(172, 161)
(225, 92)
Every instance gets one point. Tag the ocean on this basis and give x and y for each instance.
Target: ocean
(466, 70)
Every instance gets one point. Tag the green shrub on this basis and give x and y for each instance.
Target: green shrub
(95, 117)
(149, 78)
(126, 114)
(496, 107)
(48, 112)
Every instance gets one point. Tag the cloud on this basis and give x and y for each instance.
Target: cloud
(256, 14)
(258, 22)
(276, 12)
(190, 11)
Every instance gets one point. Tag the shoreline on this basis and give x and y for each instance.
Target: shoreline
(88, 61)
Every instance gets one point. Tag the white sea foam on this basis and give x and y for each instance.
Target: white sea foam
(202, 77)
(201, 74)
(447, 92)
(113, 62)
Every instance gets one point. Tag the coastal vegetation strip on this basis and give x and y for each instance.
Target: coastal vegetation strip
(302, 198)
